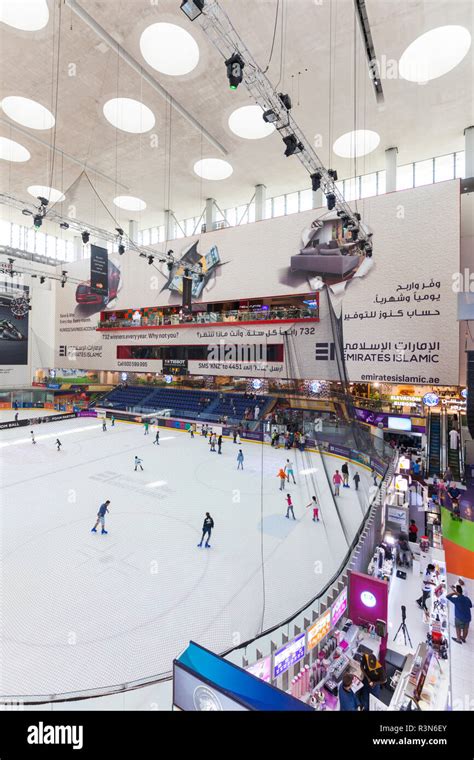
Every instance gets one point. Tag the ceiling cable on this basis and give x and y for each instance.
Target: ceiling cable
(273, 38)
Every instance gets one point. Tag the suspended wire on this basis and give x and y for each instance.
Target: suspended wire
(56, 89)
(273, 38)
(282, 41)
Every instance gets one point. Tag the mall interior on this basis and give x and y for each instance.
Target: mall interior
(200, 203)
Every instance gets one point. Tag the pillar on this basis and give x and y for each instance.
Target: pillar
(469, 152)
(260, 201)
(391, 170)
(133, 231)
(210, 215)
(78, 249)
(170, 225)
(317, 198)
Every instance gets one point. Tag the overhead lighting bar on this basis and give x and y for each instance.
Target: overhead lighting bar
(192, 8)
(374, 73)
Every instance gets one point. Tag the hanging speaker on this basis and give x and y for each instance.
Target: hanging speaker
(470, 392)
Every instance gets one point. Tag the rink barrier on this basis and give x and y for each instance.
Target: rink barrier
(37, 420)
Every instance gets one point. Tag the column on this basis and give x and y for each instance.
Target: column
(210, 215)
(170, 225)
(391, 170)
(317, 198)
(78, 249)
(133, 231)
(260, 201)
(469, 152)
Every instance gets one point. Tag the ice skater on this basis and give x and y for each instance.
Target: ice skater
(103, 509)
(104, 425)
(16, 416)
(213, 441)
(240, 460)
(191, 430)
(219, 444)
(207, 527)
(234, 435)
(146, 426)
(356, 480)
(315, 506)
(32, 437)
(282, 475)
(58, 444)
(157, 438)
(289, 507)
(138, 464)
(337, 480)
(345, 475)
(289, 471)
(112, 420)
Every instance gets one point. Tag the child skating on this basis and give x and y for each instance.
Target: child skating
(240, 460)
(207, 527)
(146, 426)
(337, 480)
(314, 504)
(157, 438)
(138, 464)
(289, 507)
(32, 437)
(104, 425)
(103, 509)
(58, 444)
(282, 475)
(289, 471)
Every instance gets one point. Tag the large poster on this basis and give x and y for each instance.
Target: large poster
(99, 271)
(14, 313)
(398, 308)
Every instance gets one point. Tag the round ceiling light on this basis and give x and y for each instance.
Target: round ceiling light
(356, 143)
(28, 15)
(27, 112)
(247, 122)
(129, 115)
(169, 49)
(213, 168)
(434, 53)
(129, 203)
(50, 193)
(13, 151)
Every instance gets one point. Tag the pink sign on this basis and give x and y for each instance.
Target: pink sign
(338, 607)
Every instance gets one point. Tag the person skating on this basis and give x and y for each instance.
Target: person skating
(146, 426)
(345, 475)
(207, 527)
(219, 444)
(240, 460)
(58, 444)
(103, 509)
(157, 438)
(314, 504)
(235, 435)
(138, 463)
(337, 480)
(356, 480)
(112, 421)
(192, 428)
(282, 475)
(212, 441)
(104, 425)
(289, 507)
(16, 416)
(32, 437)
(289, 471)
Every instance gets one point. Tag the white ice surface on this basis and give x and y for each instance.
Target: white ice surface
(81, 610)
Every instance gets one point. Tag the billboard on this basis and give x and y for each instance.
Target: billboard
(288, 655)
(99, 271)
(319, 630)
(14, 318)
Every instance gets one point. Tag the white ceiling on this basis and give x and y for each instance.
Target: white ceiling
(421, 120)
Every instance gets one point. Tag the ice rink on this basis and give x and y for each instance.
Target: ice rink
(82, 610)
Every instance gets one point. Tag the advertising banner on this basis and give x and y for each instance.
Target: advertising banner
(338, 607)
(319, 630)
(99, 270)
(288, 655)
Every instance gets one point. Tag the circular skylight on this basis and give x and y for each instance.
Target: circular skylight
(130, 203)
(27, 15)
(27, 112)
(169, 49)
(434, 53)
(50, 193)
(13, 151)
(129, 115)
(247, 122)
(213, 168)
(356, 143)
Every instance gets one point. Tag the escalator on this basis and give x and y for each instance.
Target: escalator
(453, 454)
(434, 444)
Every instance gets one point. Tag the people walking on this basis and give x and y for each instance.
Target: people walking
(103, 509)
(138, 464)
(315, 507)
(282, 475)
(337, 480)
(289, 507)
(412, 531)
(289, 471)
(58, 444)
(345, 475)
(426, 585)
(240, 460)
(157, 438)
(207, 527)
(356, 480)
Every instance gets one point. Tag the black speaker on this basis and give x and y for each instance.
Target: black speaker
(470, 392)
(187, 292)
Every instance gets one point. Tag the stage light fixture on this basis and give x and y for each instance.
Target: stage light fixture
(64, 226)
(186, 273)
(151, 260)
(192, 8)
(357, 216)
(27, 212)
(331, 199)
(43, 201)
(42, 280)
(333, 174)
(286, 100)
(120, 231)
(270, 116)
(121, 249)
(85, 237)
(235, 65)
(37, 221)
(315, 181)
(169, 264)
(368, 251)
(63, 278)
(292, 145)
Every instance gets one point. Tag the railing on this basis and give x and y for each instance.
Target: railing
(210, 317)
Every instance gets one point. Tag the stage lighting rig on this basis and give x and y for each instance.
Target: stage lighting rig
(331, 199)
(316, 181)
(63, 278)
(85, 237)
(192, 8)
(293, 145)
(235, 66)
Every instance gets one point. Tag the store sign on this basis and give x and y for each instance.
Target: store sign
(430, 399)
(464, 393)
(288, 655)
(319, 630)
(261, 669)
(368, 599)
(338, 607)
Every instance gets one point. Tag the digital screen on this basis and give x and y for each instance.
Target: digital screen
(319, 629)
(99, 270)
(261, 669)
(399, 423)
(288, 655)
(338, 607)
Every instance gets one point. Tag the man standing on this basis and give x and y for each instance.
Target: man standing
(157, 438)
(289, 507)
(337, 480)
(412, 531)
(462, 613)
(453, 438)
(103, 509)
(240, 460)
(207, 527)
(426, 585)
(356, 480)
(138, 463)
(345, 475)
(289, 471)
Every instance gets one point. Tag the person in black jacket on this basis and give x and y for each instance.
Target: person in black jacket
(207, 527)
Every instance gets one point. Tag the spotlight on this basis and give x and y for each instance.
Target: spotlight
(85, 237)
(186, 273)
(235, 65)
(64, 226)
(331, 199)
(37, 221)
(120, 231)
(270, 116)
(151, 260)
(192, 8)
(27, 212)
(42, 279)
(43, 201)
(121, 249)
(170, 252)
(169, 264)
(355, 233)
(285, 99)
(292, 145)
(63, 278)
(357, 216)
(368, 251)
(315, 181)
(333, 174)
